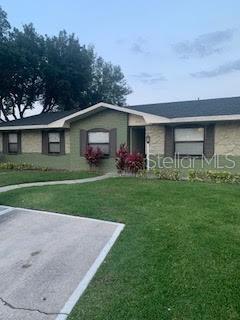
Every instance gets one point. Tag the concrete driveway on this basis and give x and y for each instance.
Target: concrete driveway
(47, 260)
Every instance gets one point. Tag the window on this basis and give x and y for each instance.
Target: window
(54, 142)
(12, 143)
(189, 141)
(99, 139)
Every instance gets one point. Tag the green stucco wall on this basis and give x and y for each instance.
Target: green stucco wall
(107, 119)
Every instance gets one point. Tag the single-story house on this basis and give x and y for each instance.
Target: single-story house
(187, 128)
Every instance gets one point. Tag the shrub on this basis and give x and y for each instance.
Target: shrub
(20, 166)
(134, 162)
(93, 156)
(121, 154)
(162, 174)
(167, 174)
(214, 176)
(130, 162)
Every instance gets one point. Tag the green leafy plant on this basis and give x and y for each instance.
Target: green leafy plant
(214, 176)
(20, 166)
(167, 174)
(93, 156)
(134, 162)
(121, 157)
(162, 174)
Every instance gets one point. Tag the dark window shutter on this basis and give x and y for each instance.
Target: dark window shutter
(44, 142)
(209, 140)
(113, 142)
(19, 137)
(83, 142)
(62, 142)
(5, 142)
(169, 141)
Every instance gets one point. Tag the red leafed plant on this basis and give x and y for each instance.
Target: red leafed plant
(134, 162)
(93, 156)
(121, 154)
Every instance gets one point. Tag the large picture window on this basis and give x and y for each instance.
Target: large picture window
(54, 142)
(12, 143)
(189, 141)
(99, 139)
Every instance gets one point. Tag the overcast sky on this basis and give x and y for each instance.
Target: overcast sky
(168, 50)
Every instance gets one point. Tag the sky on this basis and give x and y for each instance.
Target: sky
(168, 50)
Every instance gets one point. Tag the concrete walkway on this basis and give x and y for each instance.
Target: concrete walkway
(53, 183)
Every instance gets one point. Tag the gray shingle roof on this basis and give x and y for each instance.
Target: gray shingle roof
(194, 108)
(40, 119)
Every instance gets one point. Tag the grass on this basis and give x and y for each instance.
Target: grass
(177, 258)
(8, 177)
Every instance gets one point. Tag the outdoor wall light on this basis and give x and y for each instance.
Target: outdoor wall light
(148, 139)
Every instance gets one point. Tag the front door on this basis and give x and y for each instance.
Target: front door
(138, 140)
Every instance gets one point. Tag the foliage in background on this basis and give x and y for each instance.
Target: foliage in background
(93, 156)
(57, 72)
(214, 176)
(20, 77)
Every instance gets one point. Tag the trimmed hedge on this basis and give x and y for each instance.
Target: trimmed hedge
(214, 176)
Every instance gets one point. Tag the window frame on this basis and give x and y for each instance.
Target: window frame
(100, 130)
(55, 143)
(190, 142)
(13, 143)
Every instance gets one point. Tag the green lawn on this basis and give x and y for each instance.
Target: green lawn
(177, 258)
(8, 177)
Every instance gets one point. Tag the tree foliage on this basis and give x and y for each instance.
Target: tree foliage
(20, 77)
(4, 24)
(57, 72)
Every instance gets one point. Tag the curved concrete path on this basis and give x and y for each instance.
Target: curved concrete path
(53, 183)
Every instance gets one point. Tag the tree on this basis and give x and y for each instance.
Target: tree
(21, 56)
(4, 24)
(108, 84)
(66, 72)
(57, 72)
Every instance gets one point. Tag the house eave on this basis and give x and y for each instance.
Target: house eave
(218, 118)
(30, 127)
(148, 118)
